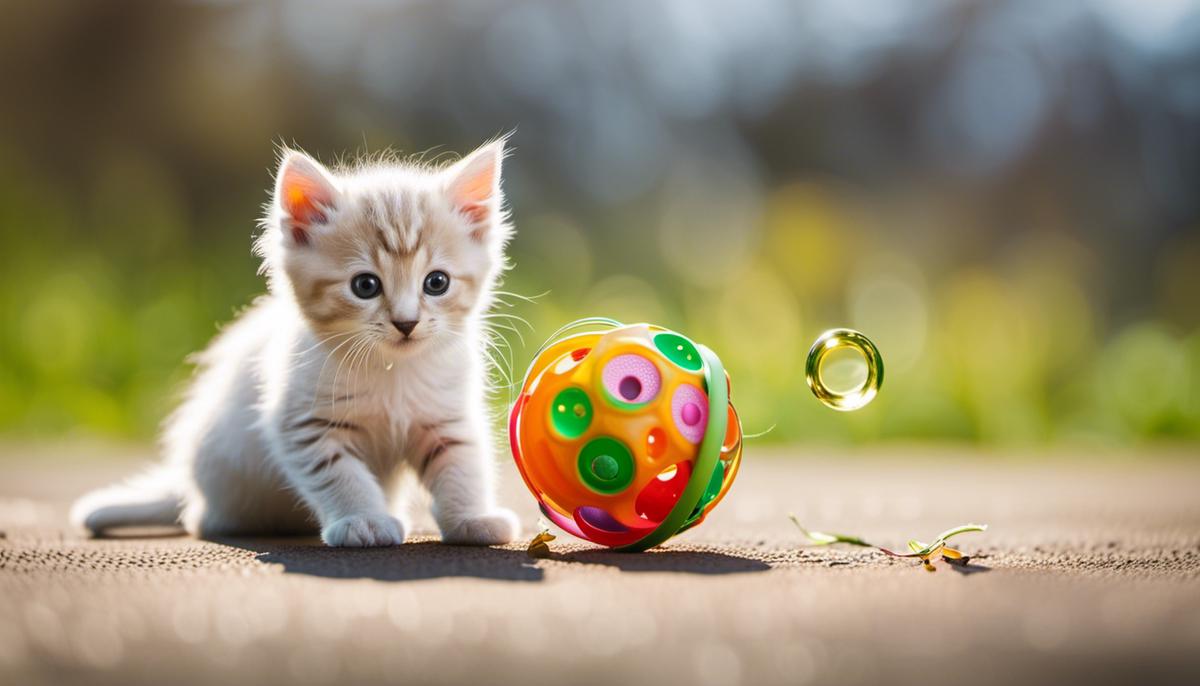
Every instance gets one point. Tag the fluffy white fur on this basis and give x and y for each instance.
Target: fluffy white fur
(309, 410)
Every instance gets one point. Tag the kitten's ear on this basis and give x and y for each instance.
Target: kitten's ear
(304, 192)
(474, 187)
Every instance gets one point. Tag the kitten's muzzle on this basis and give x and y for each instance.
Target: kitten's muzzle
(407, 327)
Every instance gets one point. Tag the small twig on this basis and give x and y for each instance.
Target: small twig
(923, 551)
(821, 538)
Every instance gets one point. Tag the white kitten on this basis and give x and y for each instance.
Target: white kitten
(364, 363)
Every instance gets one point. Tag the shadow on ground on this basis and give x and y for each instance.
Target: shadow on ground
(968, 568)
(432, 560)
(685, 561)
(408, 562)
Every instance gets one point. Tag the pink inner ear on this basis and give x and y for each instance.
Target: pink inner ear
(477, 186)
(476, 212)
(304, 193)
(304, 197)
(473, 186)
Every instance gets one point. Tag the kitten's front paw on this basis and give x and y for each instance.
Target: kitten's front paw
(494, 528)
(363, 531)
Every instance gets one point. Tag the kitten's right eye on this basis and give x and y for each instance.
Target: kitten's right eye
(366, 285)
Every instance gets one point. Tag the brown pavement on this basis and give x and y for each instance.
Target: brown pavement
(1090, 571)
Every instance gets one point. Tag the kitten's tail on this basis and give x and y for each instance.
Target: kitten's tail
(153, 498)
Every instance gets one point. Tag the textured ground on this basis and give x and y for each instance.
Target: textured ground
(1091, 570)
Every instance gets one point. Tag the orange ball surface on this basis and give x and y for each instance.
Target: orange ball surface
(608, 429)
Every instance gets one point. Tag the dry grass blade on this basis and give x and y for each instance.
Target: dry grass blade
(922, 551)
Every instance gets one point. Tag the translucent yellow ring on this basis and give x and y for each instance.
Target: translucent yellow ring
(844, 338)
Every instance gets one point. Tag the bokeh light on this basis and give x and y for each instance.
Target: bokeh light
(1000, 194)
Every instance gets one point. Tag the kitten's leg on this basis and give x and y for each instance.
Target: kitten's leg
(322, 466)
(458, 474)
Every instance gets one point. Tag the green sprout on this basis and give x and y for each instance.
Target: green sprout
(923, 551)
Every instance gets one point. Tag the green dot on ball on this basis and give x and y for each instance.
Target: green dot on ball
(571, 413)
(606, 465)
(679, 350)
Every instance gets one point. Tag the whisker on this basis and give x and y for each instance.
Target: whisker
(501, 343)
(496, 364)
(510, 327)
(358, 341)
(357, 365)
(492, 349)
(321, 373)
(321, 342)
(360, 360)
(508, 315)
(351, 361)
(506, 327)
(527, 298)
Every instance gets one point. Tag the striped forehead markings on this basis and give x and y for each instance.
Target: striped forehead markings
(399, 219)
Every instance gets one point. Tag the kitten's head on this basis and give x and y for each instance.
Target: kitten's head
(404, 255)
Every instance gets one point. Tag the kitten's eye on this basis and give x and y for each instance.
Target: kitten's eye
(366, 285)
(437, 282)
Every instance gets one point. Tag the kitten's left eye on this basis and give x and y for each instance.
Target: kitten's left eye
(366, 285)
(437, 282)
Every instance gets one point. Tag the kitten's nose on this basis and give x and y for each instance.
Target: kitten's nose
(406, 328)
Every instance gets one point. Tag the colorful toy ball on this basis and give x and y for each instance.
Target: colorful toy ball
(625, 435)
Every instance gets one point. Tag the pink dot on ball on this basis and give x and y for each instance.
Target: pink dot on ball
(689, 410)
(631, 378)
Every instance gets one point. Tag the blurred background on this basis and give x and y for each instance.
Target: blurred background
(1002, 194)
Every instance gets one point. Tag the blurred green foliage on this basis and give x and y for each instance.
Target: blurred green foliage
(103, 297)
(1012, 350)
(98, 323)
(1026, 255)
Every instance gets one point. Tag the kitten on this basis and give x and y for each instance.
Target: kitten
(364, 363)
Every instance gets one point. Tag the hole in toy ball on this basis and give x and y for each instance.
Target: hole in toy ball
(660, 495)
(714, 484)
(631, 379)
(568, 362)
(733, 431)
(656, 442)
(630, 388)
(565, 364)
(605, 467)
(571, 413)
(691, 414)
(600, 519)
